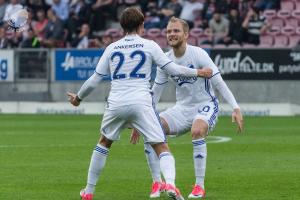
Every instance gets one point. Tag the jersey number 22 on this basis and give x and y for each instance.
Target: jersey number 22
(133, 73)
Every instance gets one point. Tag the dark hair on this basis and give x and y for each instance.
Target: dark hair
(131, 19)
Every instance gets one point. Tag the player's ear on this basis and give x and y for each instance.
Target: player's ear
(186, 35)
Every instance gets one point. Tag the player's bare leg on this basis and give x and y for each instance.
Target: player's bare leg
(97, 164)
(199, 132)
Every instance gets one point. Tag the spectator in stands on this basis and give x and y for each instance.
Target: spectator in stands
(254, 25)
(191, 9)
(101, 12)
(224, 6)
(54, 30)
(244, 7)
(2, 10)
(219, 27)
(267, 4)
(80, 12)
(3, 39)
(235, 35)
(31, 41)
(36, 5)
(82, 40)
(152, 19)
(207, 12)
(40, 26)
(61, 9)
(10, 8)
(170, 9)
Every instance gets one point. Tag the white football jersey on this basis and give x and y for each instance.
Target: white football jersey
(190, 91)
(128, 62)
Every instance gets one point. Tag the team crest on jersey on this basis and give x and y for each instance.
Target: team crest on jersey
(180, 80)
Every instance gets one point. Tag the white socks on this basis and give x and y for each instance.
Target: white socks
(199, 155)
(97, 163)
(153, 163)
(167, 166)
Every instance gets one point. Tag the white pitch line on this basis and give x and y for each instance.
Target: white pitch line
(213, 139)
(219, 139)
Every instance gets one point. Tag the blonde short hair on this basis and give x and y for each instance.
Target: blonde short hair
(183, 23)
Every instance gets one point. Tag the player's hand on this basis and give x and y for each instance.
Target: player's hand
(205, 72)
(237, 117)
(73, 99)
(135, 136)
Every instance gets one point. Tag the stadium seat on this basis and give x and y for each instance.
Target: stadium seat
(263, 46)
(294, 40)
(164, 32)
(297, 5)
(296, 14)
(274, 30)
(284, 14)
(219, 46)
(201, 39)
(246, 45)
(281, 41)
(288, 30)
(196, 32)
(269, 14)
(287, 5)
(193, 41)
(294, 22)
(207, 32)
(205, 46)
(234, 46)
(279, 22)
(266, 40)
(298, 30)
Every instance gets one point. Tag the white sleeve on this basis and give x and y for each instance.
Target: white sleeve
(103, 64)
(160, 82)
(89, 85)
(205, 61)
(218, 83)
(163, 62)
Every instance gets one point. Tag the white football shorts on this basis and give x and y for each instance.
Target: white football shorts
(141, 117)
(181, 118)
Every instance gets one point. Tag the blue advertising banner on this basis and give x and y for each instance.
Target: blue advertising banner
(76, 64)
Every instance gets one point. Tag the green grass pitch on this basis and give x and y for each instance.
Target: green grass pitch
(46, 157)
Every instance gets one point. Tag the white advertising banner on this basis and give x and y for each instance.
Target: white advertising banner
(6, 65)
(275, 109)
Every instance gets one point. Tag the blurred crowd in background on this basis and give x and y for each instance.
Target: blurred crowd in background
(94, 23)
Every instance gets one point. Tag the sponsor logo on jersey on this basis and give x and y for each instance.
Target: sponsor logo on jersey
(180, 80)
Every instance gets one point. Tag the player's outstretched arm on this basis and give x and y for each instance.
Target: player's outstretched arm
(222, 87)
(237, 117)
(87, 87)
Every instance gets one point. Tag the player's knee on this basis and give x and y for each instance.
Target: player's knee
(105, 142)
(199, 132)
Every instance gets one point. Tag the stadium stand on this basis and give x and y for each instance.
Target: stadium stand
(283, 18)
